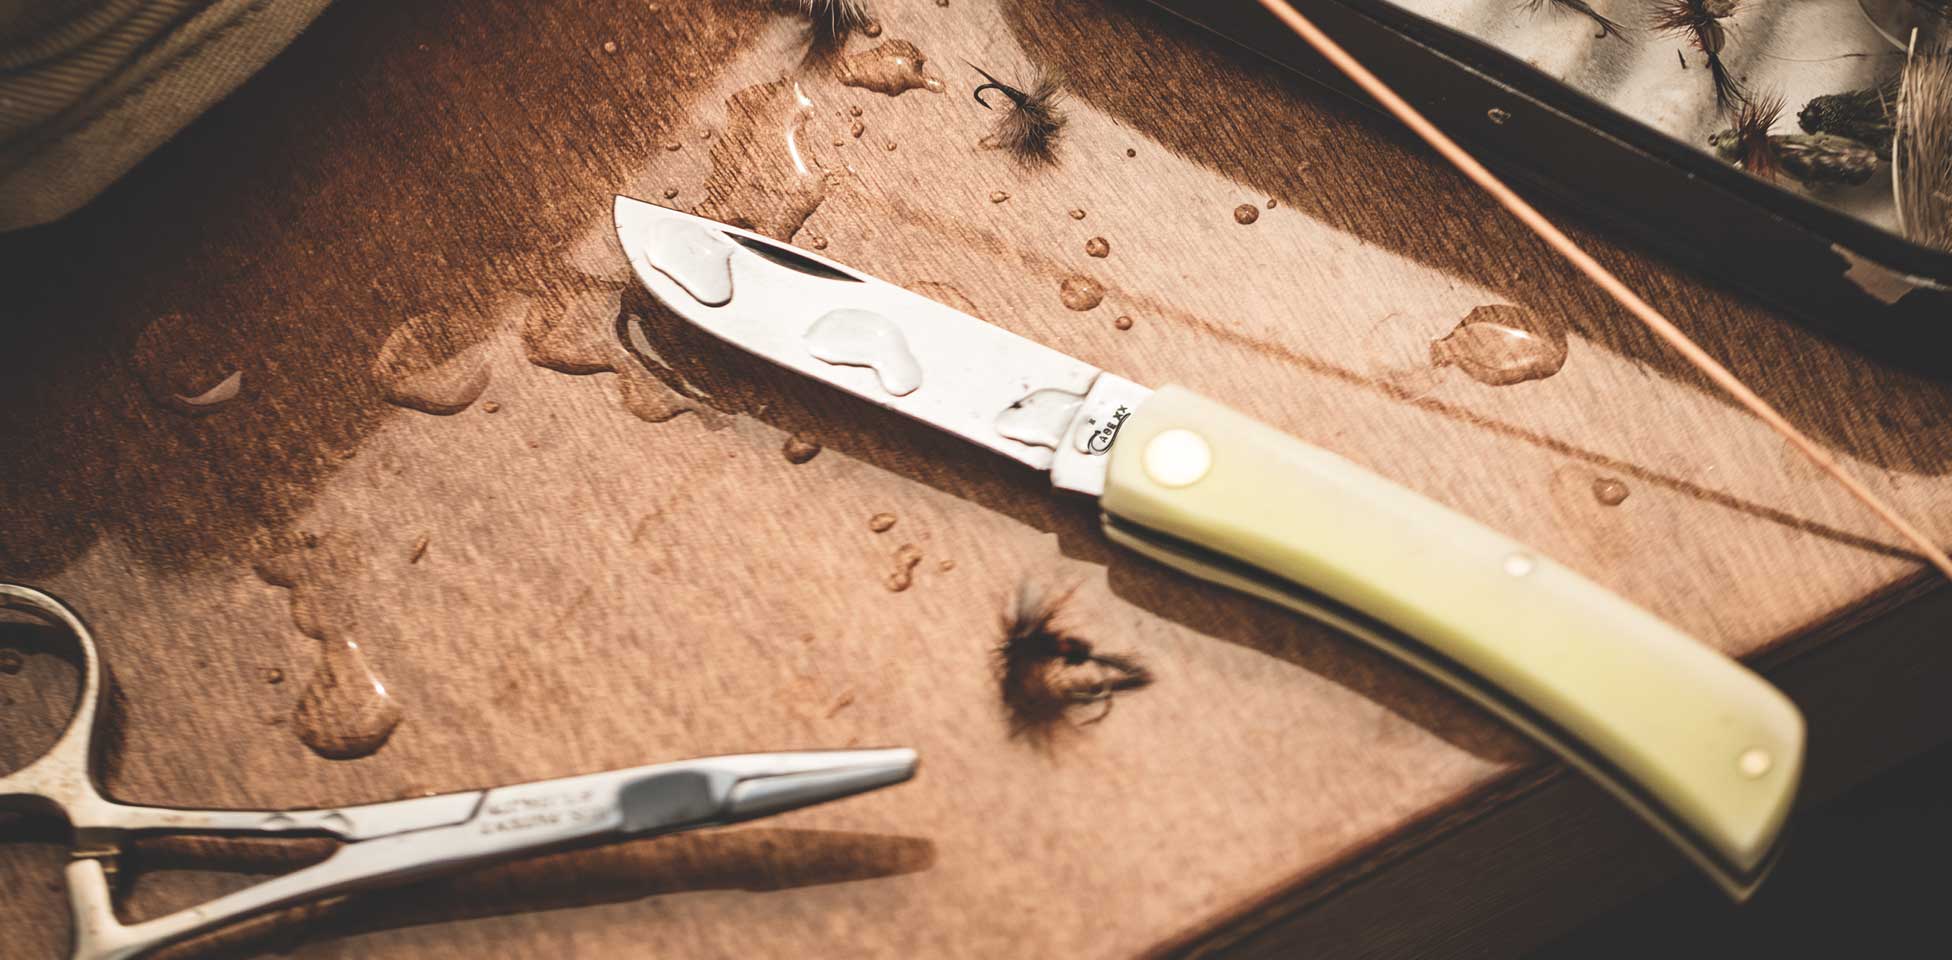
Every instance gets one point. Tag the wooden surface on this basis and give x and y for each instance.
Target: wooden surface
(599, 590)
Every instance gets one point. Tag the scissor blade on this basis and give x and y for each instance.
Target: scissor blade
(729, 789)
(891, 346)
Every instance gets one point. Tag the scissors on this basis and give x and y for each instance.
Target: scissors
(404, 839)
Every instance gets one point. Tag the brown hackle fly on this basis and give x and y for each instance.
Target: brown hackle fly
(1033, 123)
(1700, 23)
(1044, 671)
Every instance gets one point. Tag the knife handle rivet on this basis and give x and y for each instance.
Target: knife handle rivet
(1754, 762)
(1177, 458)
(1519, 564)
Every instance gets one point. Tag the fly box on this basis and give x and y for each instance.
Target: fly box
(1613, 109)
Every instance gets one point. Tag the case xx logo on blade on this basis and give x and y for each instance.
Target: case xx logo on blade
(1096, 439)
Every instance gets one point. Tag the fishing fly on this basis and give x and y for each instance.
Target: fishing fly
(1040, 668)
(1813, 159)
(1868, 116)
(1032, 125)
(837, 17)
(1608, 28)
(1700, 23)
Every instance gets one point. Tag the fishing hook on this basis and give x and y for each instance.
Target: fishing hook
(1016, 96)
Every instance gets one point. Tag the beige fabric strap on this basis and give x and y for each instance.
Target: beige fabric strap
(90, 87)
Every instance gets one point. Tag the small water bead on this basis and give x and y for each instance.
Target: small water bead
(1609, 491)
(881, 522)
(1098, 247)
(1077, 214)
(799, 449)
(1246, 213)
(1123, 323)
(670, 193)
(856, 129)
(906, 559)
(1080, 293)
(998, 196)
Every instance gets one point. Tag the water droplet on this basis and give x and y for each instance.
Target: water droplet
(11, 662)
(818, 243)
(670, 193)
(419, 549)
(1080, 293)
(276, 821)
(1246, 213)
(225, 391)
(906, 559)
(1498, 115)
(426, 365)
(857, 128)
(1270, 203)
(345, 711)
(647, 397)
(695, 257)
(336, 822)
(581, 339)
(1041, 418)
(800, 449)
(674, 146)
(881, 522)
(1131, 152)
(491, 407)
(272, 675)
(1609, 491)
(186, 366)
(891, 145)
(1501, 344)
(609, 46)
(765, 176)
(891, 68)
(1077, 214)
(998, 196)
(1098, 247)
(873, 29)
(861, 338)
(946, 566)
(853, 110)
(1123, 323)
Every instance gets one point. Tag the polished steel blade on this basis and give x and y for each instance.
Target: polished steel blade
(891, 346)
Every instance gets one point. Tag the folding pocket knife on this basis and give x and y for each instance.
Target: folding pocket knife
(1704, 750)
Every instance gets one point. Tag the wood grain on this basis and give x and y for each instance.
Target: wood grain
(597, 590)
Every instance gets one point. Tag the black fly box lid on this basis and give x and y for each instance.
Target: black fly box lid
(1615, 123)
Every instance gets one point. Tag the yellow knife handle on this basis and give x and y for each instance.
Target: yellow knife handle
(1702, 748)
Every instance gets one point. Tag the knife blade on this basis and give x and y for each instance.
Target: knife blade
(1698, 746)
